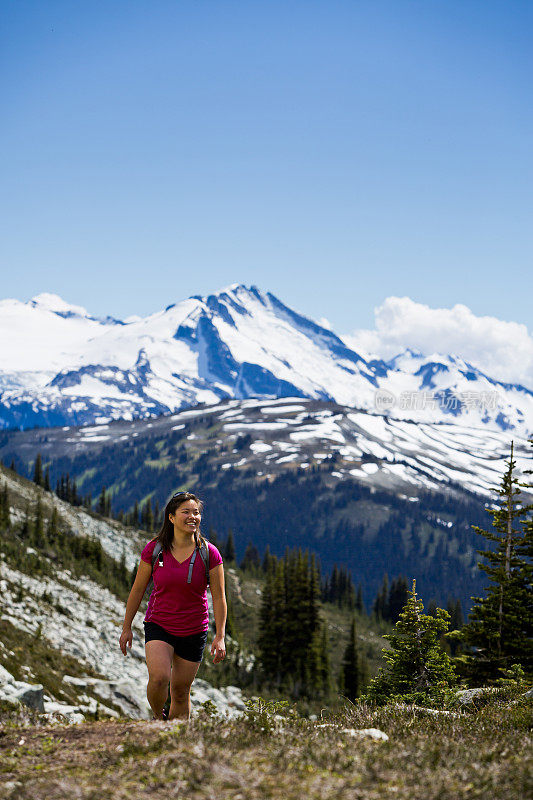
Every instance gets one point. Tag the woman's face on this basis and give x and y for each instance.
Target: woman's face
(187, 517)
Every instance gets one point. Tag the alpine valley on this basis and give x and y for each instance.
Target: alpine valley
(276, 421)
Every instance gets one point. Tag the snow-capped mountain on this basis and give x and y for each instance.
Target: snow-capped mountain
(60, 365)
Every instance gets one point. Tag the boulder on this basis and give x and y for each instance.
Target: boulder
(467, 696)
(29, 694)
(125, 694)
(32, 695)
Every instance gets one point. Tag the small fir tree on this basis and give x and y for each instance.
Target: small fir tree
(418, 669)
(229, 547)
(26, 529)
(38, 471)
(499, 631)
(135, 515)
(52, 528)
(324, 669)
(102, 502)
(5, 519)
(350, 673)
(37, 535)
(380, 603)
(251, 560)
(148, 516)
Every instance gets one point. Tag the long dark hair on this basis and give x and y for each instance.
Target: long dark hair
(166, 534)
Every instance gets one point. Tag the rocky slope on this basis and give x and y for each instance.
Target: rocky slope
(76, 620)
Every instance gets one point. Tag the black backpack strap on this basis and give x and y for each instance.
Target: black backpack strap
(157, 551)
(204, 552)
(191, 565)
(204, 555)
(157, 554)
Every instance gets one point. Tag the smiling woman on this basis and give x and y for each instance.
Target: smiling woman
(177, 617)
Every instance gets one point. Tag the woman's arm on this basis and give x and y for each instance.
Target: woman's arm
(142, 579)
(220, 610)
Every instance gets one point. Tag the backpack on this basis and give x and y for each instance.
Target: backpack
(158, 554)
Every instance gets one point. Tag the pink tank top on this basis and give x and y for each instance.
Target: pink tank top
(177, 606)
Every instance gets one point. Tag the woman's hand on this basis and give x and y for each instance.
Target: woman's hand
(218, 648)
(126, 638)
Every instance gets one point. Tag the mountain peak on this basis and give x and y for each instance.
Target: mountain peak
(54, 303)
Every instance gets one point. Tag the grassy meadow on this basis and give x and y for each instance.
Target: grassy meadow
(483, 752)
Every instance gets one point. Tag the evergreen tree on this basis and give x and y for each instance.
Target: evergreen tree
(251, 560)
(102, 502)
(350, 675)
(418, 669)
(324, 673)
(5, 518)
(46, 482)
(38, 471)
(291, 651)
(74, 499)
(456, 623)
(364, 671)
(37, 535)
(268, 560)
(499, 631)
(52, 528)
(456, 615)
(380, 603)
(148, 516)
(270, 606)
(26, 529)
(229, 548)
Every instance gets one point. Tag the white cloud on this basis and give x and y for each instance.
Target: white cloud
(503, 350)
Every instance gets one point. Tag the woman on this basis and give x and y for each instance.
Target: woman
(177, 618)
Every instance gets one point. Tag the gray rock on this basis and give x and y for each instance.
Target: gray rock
(125, 694)
(31, 695)
(467, 696)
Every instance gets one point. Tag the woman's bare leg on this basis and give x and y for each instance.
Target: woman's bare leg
(159, 662)
(181, 678)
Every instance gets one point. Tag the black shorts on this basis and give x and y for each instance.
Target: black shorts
(190, 648)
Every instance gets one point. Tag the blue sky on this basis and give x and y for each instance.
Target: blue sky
(334, 153)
